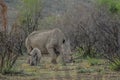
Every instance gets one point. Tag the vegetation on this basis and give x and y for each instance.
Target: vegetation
(9, 44)
(112, 5)
(115, 65)
(86, 52)
(27, 20)
(110, 32)
(47, 71)
(92, 28)
(30, 15)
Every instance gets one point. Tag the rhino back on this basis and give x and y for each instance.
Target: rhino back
(39, 40)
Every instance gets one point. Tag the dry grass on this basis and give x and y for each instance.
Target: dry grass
(72, 71)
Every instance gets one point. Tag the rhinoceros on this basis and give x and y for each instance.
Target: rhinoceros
(51, 42)
(35, 57)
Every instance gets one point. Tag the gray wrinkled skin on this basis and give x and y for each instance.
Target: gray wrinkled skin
(51, 42)
(35, 57)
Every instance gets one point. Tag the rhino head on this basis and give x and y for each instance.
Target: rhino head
(66, 52)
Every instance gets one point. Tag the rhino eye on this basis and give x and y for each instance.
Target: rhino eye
(63, 41)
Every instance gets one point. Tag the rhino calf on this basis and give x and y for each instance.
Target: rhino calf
(35, 57)
(51, 42)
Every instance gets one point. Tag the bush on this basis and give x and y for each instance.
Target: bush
(48, 22)
(112, 5)
(9, 44)
(27, 20)
(107, 19)
(91, 52)
(115, 65)
(30, 15)
(86, 52)
(9, 51)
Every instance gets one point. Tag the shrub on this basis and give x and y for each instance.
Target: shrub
(107, 19)
(48, 22)
(9, 51)
(27, 20)
(112, 5)
(9, 44)
(86, 51)
(115, 65)
(30, 15)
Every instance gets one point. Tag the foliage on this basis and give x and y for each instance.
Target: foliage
(27, 20)
(10, 44)
(85, 52)
(107, 20)
(115, 65)
(112, 5)
(48, 22)
(30, 15)
(9, 51)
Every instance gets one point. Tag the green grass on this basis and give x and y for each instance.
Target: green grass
(86, 69)
(94, 61)
(115, 65)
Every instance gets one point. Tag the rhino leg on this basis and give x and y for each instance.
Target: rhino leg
(52, 53)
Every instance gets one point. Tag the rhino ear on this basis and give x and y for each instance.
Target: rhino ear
(63, 41)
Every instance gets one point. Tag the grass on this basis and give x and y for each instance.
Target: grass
(94, 61)
(115, 65)
(86, 69)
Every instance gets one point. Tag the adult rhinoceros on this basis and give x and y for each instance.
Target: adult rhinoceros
(51, 42)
